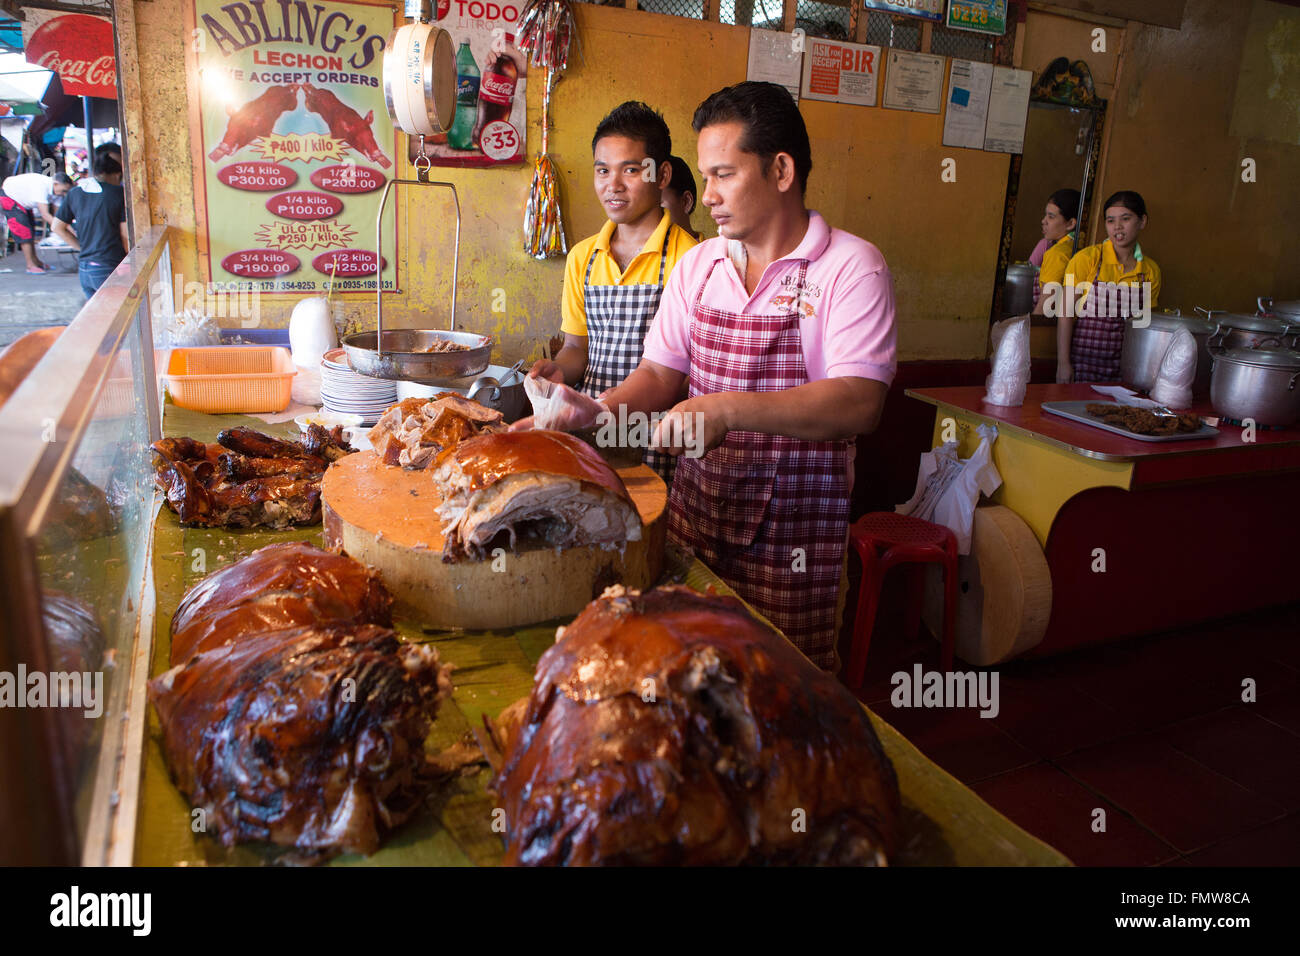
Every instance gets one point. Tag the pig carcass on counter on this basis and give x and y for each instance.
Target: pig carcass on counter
(546, 486)
(673, 728)
(415, 431)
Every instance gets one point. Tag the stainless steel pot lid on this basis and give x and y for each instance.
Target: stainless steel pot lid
(1267, 356)
(1172, 322)
(1287, 311)
(1248, 323)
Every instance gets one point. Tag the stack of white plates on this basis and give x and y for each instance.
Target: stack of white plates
(344, 391)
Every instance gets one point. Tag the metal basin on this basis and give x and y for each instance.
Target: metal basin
(403, 360)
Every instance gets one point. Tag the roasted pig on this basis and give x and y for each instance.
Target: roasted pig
(275, 588)
(549, 487)
(255, 119)
(670, 727)
(247, 479)
(311, 738)
(293, 714)
(414, 433)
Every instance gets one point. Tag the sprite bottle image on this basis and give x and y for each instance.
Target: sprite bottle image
(461, 134)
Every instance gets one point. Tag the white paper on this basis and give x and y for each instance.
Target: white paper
(1124, 396)
(840, 72)
(1004, 132)
(776, 57)
(967, 103)
(914, 81)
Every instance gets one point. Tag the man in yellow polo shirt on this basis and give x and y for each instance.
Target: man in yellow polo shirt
(614, 279)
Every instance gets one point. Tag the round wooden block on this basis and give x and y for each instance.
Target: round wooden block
(387, 518)
(1004, 590)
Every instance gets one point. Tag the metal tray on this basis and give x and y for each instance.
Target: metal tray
(1075, 412)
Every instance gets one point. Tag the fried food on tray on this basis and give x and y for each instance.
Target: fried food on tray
(1143, 421)
(246, 479)
(547, 486)
(673, 728)
(415, 431)
(294, 716)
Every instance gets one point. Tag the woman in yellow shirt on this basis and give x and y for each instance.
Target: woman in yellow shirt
(1060, 217)
(1118, 281)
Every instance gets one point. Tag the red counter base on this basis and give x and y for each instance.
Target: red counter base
(1174, 555)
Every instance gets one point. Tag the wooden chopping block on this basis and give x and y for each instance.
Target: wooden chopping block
(387, 518)
(1004, 590)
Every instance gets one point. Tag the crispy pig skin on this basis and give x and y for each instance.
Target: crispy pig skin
(280, 586)
(670, 727)
(487, 459)
(311, 738)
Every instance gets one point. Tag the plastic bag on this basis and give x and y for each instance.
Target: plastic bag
(188, 329)
(306, 385)
(1173, 387)
(559, 406)
(1009, 377)
(948, 487)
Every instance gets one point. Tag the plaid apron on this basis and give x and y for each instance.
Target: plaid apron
(618, 318)
(767, 513)
(1097, 340)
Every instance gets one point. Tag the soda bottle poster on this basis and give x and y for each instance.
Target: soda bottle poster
(490, 127)
(296, 143)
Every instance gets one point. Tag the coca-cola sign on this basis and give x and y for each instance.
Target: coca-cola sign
(80, 49)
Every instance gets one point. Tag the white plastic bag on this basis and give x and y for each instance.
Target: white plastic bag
(948, 487)
(1009, 377)
(559, 406)
(1173, 387)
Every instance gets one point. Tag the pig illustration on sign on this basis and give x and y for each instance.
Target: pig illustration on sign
(346, 123)
(255, 119)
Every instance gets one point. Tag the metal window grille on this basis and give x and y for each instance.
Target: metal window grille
(765, 14)
(824, 19)
(900, 33)
(962, 44)
(693, 9)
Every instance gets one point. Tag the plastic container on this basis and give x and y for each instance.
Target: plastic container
(223, 379)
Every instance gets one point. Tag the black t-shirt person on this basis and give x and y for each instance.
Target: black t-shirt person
(96, 210)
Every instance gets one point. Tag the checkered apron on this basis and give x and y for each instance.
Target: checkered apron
(767, 513)
(1097, 340)
(618, 318)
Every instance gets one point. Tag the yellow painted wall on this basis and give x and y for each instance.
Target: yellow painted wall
(1219, 242)
(876, 173)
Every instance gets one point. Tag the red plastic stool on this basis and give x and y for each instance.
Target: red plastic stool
(884, 539)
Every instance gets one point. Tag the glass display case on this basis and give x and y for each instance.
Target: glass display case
(77, 511)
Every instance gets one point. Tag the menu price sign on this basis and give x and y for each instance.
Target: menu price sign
(490, 127)
(931, 10)
(978, 16)
(914, 81)
(776, 57)
(840, 72)
(295, 145)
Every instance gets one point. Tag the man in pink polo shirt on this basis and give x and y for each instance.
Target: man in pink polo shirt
(784, 329)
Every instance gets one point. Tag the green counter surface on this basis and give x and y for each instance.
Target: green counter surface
(944, 823)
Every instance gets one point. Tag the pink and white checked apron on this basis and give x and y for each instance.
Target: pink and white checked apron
(1097, 340)
(767, 513)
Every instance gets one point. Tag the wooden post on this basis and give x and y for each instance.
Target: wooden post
(130, 106)
(791, 9)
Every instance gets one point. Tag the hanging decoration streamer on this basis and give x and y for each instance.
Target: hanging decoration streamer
(545, 30)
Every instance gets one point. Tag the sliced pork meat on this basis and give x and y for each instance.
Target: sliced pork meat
(548, 487)
(415, 432)
(673, 728)
(309, 738)
(277, 587)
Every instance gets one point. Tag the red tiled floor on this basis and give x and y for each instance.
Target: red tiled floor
(1281, 710)
(1051, 717)
(1182, 801)
(1244, 747)
(1277, 844)
(1060, 811)
(968, 746)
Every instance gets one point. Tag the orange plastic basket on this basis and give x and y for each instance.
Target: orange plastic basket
(224, 379)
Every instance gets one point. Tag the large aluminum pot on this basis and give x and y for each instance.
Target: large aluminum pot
(1018, 293)
(1262, 384)
(1145, 346)
(1236, 330)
